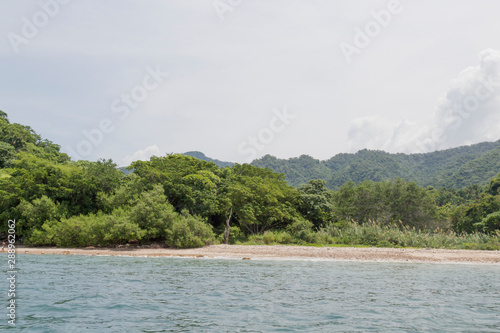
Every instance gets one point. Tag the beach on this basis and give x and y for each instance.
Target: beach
(284, 252)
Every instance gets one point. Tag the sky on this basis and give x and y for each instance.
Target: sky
(239, 79)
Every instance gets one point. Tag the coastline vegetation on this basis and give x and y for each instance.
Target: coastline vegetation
(373, 234)
(181, 201)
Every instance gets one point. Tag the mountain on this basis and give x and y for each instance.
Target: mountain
(124, 170)
(450, 168)
(201, 156)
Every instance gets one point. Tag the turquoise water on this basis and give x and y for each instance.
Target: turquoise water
(128, 294)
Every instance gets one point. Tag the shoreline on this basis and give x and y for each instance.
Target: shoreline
(287, 252)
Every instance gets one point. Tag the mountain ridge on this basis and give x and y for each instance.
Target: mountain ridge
(449, 168)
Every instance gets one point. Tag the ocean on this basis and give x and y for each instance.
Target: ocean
(66, 293)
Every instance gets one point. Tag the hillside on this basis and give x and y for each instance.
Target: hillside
(450, 168)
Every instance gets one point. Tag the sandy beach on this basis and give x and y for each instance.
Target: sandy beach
(262, 252)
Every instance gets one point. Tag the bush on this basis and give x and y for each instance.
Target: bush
(374, 234)
(302, 231)
(299, 225)
(271, 237)
(120, 229)
(34, 214)
(235, 235)
(88, 230)
(189, 231)
(153, 213)
(490, 223)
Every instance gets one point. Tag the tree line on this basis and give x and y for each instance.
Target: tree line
(182, 201)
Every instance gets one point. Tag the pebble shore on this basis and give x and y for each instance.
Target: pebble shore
(284, 252)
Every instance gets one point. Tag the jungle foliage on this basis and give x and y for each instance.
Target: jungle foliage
(182, 201)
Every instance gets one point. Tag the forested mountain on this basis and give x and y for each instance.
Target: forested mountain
(451, 168)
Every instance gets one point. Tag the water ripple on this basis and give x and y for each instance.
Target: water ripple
(121, 294)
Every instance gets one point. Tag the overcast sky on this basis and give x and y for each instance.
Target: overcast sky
(238, 79)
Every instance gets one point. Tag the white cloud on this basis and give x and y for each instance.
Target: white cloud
(382, 134)
(142, 155)
(468, 113)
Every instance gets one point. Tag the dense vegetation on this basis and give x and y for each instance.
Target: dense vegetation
(182, 201)
(452, 168)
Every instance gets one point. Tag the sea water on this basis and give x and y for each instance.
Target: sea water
(57, 293)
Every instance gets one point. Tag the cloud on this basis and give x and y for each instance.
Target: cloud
(379, 133)
(227, 76)
(469, 112)
(142, 155)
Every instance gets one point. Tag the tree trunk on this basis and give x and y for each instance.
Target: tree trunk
(226, 241)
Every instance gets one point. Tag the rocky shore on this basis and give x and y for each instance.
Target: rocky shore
(283, 252)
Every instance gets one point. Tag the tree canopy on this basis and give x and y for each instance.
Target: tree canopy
(183, 201)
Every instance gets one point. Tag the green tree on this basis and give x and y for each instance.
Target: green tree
(34, 214)
(189, 183)
(316, 202)
(260, 199)
(7, 152)
(472, 215)
(490, 224)
(412, 204)
(4, 117)
(103, 174)
(152, 213)
(494, 186)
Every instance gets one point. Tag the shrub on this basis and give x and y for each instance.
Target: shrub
(374, 234)
(37, 212)
(189, 231)
(153, 213)
(490, 223)
(299, 225)
(88, 230)
(302, 230)
(235, 235)
(269, 237)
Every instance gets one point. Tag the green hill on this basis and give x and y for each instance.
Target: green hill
(450, 168)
